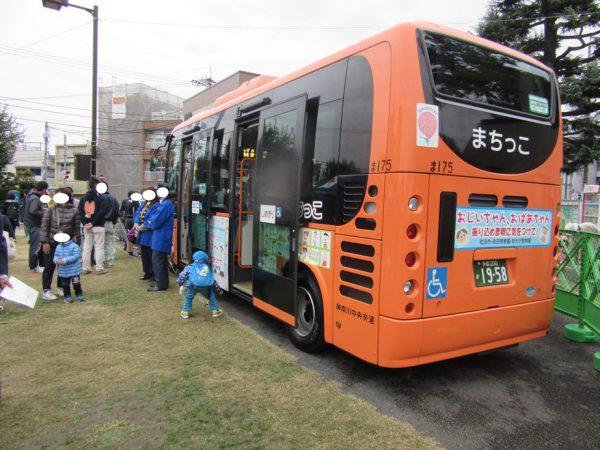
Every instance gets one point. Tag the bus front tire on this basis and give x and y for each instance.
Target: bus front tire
(308, 334)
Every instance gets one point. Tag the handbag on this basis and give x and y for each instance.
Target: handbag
(11, 246)
(132, 236)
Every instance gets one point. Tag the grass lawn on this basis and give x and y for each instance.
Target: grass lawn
(122, 370)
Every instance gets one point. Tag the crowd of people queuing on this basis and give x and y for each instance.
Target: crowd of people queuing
(75, 233)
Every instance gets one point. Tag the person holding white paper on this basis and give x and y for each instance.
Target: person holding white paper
(3, 265)
(3, 262)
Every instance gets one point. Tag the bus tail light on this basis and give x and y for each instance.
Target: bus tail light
(411, 231)
(410, 259)
(408, 287)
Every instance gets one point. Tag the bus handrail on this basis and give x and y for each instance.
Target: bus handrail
(242, 212)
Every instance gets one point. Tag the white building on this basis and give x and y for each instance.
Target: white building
(30, 156)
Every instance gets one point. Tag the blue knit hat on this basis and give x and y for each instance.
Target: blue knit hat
(200, 256)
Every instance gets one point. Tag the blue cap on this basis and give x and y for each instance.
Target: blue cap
(200, 256)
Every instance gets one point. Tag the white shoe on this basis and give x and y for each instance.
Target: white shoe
(47, 295)
(60, 292)
(37, 269)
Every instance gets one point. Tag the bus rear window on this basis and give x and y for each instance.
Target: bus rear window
(471, 73)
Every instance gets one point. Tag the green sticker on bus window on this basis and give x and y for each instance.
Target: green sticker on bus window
(538, 105)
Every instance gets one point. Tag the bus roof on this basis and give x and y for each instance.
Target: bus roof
(265, 83)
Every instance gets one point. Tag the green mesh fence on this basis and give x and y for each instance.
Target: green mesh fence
(578, 284)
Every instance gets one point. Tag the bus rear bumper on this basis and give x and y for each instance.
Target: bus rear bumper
(405, 343)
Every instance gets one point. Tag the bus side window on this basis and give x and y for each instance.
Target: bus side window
(321, 161)
(219, 177)
(357, 118)
(174, 156)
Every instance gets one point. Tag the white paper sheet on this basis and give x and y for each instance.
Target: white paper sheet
(20, 293)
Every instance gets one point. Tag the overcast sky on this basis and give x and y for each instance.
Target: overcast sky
(45, 55)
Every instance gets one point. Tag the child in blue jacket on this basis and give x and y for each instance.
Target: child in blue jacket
(198, 277)
(67, 257)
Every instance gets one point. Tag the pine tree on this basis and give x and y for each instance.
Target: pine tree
(9, 136)
(564, 35)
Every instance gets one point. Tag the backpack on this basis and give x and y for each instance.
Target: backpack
(89, 208)
(200, 275)
(12, 212)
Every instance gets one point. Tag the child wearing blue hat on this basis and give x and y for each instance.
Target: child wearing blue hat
(198, 278)
(67, 257)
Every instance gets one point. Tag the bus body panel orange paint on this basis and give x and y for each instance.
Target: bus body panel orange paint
(404, 343)
(275, 312)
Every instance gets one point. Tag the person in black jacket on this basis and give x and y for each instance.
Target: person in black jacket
(127, 211)
(6, 225)
(59, 218)
(93, 209)
(32, 218)
(10, 209)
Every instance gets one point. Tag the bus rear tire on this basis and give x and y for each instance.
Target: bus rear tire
(308, 334)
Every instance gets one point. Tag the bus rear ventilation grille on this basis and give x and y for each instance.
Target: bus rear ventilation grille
(354, 278)
(357, 286)
(353, 195)
(355, 294)
(512, 201)
(358, 249)
(488, 200)
(357, 264)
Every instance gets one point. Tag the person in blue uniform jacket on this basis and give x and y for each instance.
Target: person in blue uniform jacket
(143, 213)
(161, 224)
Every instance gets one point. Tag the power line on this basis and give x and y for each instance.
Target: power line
(55, 96)
(137, 132)
(47, 38)
(77, 64)
(132, 118)
(122, 147)
(41, 103)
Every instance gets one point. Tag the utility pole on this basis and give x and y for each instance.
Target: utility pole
(65, 162)
(46, 141)
(57, 5)
(94, 14)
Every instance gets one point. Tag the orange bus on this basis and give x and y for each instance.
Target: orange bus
(398, 199)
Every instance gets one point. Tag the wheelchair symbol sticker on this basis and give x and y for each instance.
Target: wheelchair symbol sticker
(437, 279)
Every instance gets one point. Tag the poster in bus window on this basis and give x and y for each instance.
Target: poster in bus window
(326, 240)
(274, 248)
(199, 233)
(315, 247)
(305, 236)
(315, 256)
(325, 260)
(501, 227)
(219, 243)
(315, 238)
(427, 125)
